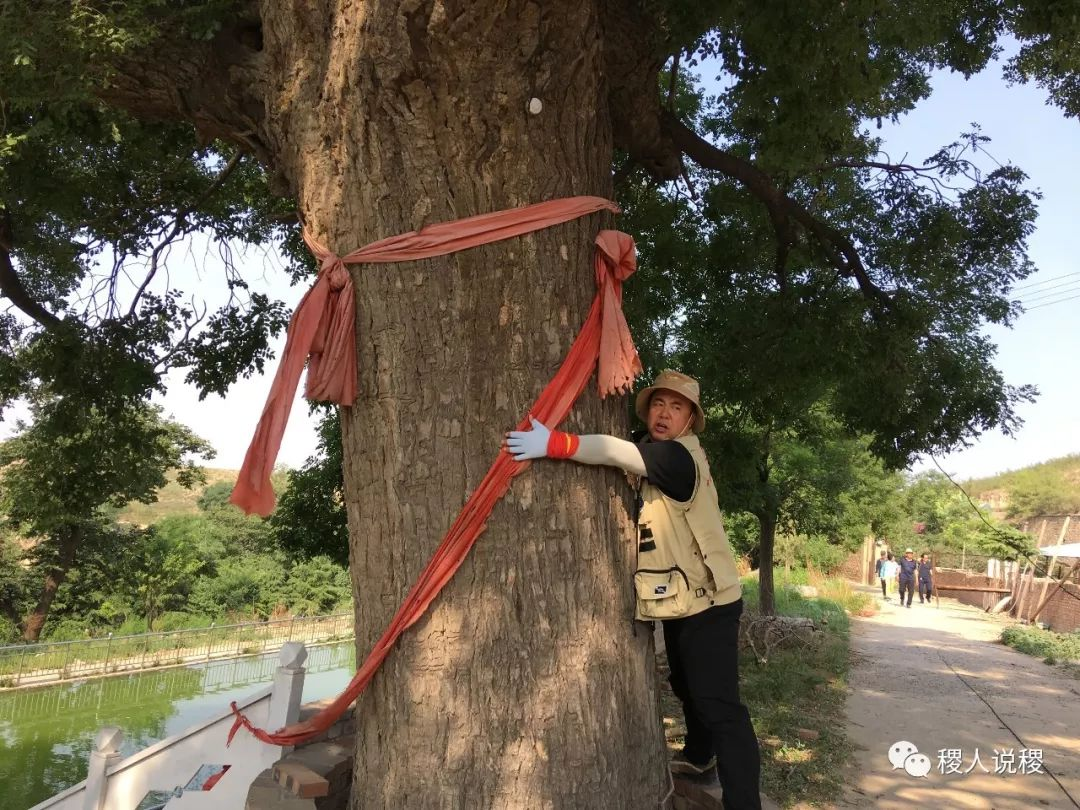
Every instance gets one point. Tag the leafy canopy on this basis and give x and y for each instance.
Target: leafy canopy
(69, 462)
(787, 261)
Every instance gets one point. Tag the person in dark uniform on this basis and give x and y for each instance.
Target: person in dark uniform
(926, 573)
(908, 567)
(686, 576)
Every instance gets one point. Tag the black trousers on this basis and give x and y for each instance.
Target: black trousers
(883, 594)
(909, 585)
(925, 589)
(703, 654)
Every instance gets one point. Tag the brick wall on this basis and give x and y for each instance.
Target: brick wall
(1061, 614)
(859, 565)
(943, 577)
(852, 568)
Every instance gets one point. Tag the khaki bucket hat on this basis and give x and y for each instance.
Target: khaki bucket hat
(679, 383)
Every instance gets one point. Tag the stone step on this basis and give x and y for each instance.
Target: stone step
(266, 794)
(300, 780)
(314, 777)
(330, 760)
(342, 727)
(692, 796)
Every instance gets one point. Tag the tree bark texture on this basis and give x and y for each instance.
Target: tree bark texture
(54, 578)
(767, 602)
(526, 685)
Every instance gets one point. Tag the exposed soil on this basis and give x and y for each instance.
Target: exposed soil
(937, 676)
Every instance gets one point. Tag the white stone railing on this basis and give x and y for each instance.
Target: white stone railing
(175, 767)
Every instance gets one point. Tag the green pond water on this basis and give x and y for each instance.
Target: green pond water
(46, 734)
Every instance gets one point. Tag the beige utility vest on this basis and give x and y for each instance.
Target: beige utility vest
(685, 564)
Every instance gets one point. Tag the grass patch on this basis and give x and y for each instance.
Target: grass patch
(802, 689)
(829, 589)
(798, 689)
(838, 590)
(1053, 648)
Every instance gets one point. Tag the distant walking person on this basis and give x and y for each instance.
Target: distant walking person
(926, 585)
(888, 573)
(908, 568)
(879, 570)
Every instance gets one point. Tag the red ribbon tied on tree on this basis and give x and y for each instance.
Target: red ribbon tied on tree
(618, 362)
(322, 330)
(604, 344)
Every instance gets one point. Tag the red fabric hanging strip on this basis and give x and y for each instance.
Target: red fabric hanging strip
(322, 330)
(603, 343)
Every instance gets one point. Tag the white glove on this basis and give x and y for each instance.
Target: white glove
(526, 444)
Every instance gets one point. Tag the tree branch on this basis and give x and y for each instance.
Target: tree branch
(633, 58)
(930, 173)
(784, 212)
(162, 363)
(674, 81)
(177, 228)
(216, 85)
(11, 287)
(891, 168)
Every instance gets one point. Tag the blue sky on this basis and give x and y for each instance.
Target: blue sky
(1039, 350)
(1041, 347)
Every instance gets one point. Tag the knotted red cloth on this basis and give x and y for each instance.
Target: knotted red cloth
(604, 342)
(322, 329)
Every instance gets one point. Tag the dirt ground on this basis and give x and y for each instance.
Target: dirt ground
(936, 677)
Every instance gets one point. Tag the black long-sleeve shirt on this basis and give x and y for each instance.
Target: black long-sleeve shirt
(670, 468)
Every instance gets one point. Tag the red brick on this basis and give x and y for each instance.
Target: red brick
(300, 780)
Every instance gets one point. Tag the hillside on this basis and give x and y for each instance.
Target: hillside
(1050, 487)
(173, 499)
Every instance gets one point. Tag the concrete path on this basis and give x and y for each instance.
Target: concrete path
(936, 677)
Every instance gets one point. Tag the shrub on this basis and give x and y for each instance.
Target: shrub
(248, 586)
(1044, 644)
(315, 586)
(9, 632)
(65, 630)
(132, 626)
(180, 620)
(821, 554)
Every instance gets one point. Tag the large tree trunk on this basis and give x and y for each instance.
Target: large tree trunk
(766, 588)
(526, 686)
(54, 578)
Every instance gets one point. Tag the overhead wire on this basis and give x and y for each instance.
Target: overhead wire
(1044, 290)
(1041, 282)
(1051, 303)
(1048, 291)
(1006, 726)
(1071, 287)
(1004, 537)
